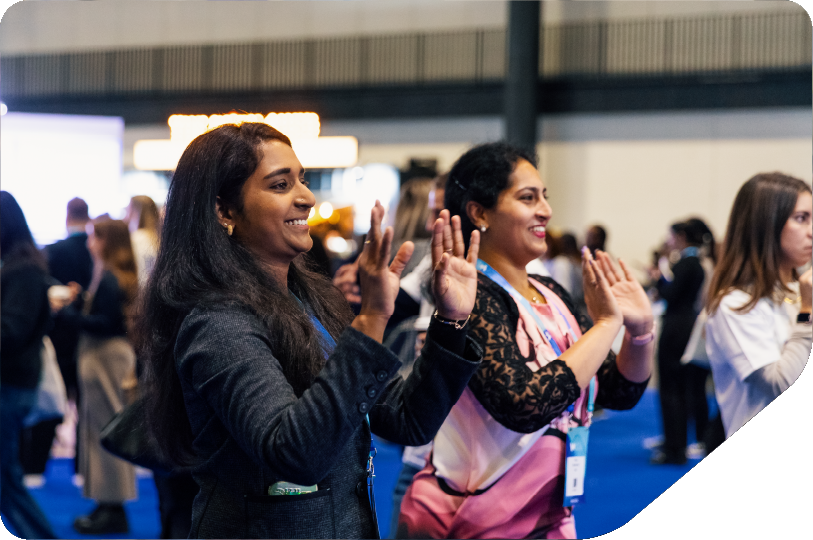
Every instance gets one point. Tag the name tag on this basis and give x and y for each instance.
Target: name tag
(575, 465)
(287, 488)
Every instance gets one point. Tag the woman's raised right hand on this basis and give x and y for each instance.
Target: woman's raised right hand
(379, 282)
(601, 303)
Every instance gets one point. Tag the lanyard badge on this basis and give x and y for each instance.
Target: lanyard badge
(577, 437)
(576, 453)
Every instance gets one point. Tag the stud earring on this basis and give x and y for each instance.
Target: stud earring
(229, 229)
(483, 228)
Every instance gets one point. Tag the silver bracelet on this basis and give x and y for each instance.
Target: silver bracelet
(457, 324)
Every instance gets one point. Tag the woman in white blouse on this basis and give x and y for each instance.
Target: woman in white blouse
(758, 335)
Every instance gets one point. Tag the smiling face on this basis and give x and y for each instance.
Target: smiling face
(516, 224)
(796, 241)
(276, 203)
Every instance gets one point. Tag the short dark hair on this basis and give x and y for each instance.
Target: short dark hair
(480, 175)
(78, 210)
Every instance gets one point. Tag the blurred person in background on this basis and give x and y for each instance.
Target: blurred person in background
(25, 315)
(498, 462)
(144, 222)
(106, 361)
(564, 266)
(596, 239)
(258, 374)
(411, 219)
(69, 261)
(758, 334)
(682, 389)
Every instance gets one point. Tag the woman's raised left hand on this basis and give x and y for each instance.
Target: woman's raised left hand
(630, 296)
(454, 275)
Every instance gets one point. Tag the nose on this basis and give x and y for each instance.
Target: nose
(304, 198)
(543, 210)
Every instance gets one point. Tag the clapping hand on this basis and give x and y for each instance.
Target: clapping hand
(454, 275)
(630, 296)
(380, 282)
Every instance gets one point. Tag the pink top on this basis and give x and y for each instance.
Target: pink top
(513, 482)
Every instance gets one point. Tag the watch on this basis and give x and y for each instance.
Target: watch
(804, 318)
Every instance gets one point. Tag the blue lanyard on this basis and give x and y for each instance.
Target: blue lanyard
(495, 276)
(328, 345)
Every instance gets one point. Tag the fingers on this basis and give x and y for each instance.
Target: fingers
(371, 244)
(626, 269)
(384, 248)
(459, 249)
(610, 268)
(402, 258)
(588, 267)
(437, 242)
(606, 268)
(448, 239)
(474, 247)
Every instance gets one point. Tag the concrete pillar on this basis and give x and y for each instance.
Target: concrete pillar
(522, 79)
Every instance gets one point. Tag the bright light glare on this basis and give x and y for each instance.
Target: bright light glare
(312, 213)
(325, 210)
(48, 159)
(380, 181)
(326, 152)
(3, 108)
(336, 244)
(313, 153)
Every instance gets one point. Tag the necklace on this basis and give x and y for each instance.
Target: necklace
(792, 300)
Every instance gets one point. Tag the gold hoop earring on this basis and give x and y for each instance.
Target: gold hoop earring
(229, 229)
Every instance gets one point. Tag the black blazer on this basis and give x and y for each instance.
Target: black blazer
(25, 314)
(251, 431)
(69, 260)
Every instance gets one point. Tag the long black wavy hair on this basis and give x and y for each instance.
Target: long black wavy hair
(199, 264)
(480, 175)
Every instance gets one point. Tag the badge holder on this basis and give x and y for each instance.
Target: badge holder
(576, 455)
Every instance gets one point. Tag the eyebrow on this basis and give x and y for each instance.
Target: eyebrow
(284, 170)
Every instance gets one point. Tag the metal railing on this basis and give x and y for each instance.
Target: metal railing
(651, 47)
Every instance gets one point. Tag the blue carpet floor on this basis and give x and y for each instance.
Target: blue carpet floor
(619, 483)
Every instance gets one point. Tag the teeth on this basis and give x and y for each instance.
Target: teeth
(538, 228)
(297, 222)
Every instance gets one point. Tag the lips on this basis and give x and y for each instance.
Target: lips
(538, 231)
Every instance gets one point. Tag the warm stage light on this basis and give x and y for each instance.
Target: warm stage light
(302, 128)
(325, 210)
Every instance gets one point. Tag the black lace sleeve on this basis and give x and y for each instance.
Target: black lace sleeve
(614, 390)
(518, 398)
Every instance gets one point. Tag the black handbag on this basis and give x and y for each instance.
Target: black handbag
(126, 436)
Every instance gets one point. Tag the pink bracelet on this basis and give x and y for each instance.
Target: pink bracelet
(643, 339)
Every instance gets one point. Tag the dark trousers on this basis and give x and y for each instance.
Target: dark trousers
(18, 507)
(35, 445)
(682, 396)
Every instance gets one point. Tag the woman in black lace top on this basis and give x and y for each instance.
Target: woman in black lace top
(497, 469)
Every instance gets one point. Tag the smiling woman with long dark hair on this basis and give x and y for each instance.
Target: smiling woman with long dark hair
(258, 375)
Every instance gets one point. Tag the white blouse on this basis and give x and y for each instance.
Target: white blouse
(754, 356)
